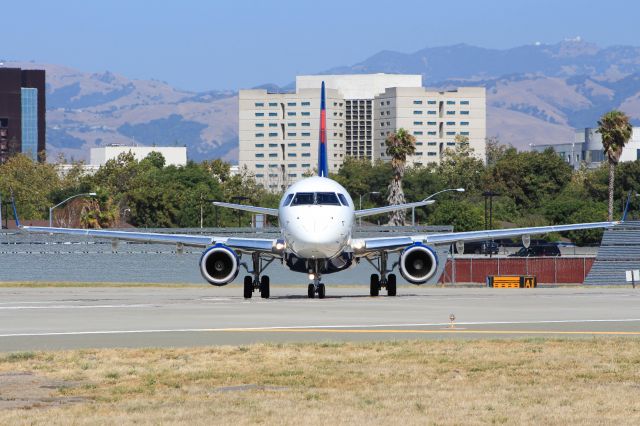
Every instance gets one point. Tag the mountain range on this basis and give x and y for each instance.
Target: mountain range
(536, 94)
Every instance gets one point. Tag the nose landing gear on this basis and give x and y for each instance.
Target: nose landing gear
(316, 287)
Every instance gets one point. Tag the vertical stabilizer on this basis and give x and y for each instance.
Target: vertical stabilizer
(323, 165)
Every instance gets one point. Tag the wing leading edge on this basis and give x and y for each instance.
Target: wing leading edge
(240, 244)
(364, 245)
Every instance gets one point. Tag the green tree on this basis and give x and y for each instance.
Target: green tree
(464, 215)
(460, 168)
(399, 145)
(615, 129)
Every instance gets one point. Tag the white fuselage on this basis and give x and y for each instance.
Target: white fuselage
(316, 226)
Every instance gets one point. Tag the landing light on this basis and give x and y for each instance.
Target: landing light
(311, 276)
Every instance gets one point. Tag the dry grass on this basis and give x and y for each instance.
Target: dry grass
(414, 382)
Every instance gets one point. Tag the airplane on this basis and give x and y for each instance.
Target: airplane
(317, 217)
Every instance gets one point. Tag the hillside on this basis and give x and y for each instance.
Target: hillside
(535, 94)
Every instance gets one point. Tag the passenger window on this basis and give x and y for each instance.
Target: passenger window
(343, 200)
(302, 198)
(327, 199)
(287, 200)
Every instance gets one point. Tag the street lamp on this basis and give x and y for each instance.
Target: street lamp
(413, 209)
(360, 204)
(86, 194)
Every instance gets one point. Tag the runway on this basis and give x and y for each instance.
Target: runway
(103, 317)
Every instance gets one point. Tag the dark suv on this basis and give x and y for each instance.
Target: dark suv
(542, 250)
(480, 247)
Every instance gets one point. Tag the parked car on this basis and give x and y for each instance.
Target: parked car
(542, 250)
(481, 247)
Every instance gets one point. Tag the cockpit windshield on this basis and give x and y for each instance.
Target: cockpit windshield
(317, 198)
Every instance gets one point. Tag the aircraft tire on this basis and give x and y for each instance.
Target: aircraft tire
(391, 285)
(265, 289)
(248, 286)
(311, 291)
(374, 285)
(321, 292)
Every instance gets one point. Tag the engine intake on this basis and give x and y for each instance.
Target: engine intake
(219, 265)
(418, 263)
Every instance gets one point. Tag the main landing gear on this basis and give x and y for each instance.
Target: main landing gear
(378, 281)
(255, 281)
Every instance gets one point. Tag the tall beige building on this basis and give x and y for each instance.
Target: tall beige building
(434, 118)
(279, 132)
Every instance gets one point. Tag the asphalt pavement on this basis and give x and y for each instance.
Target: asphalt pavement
(104, 317)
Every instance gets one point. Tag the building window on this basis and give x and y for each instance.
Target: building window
(273, 124)
(431, 123)
(464, 123)
(305, 103)
(273, 166)
(306, 165)
(291, 124)
(451, 133)
(305, 113)
(292, 175)
(259, 175)
(451, 113)
(432, 143)
(417, 123)
(417, 102)
(29, 114)
(259, 155)
(273, 134)
(272, 155)
(259, 166)
(259, 135)
(306, 124)
(291, 113)
(306, 154)
(273, 114)
(451, 102)
(431, 154)
(464, 102)
(273, 145)
(291, 134)
(292, 154)
(418, 153)
(464, 133)
(273, 104)
(292, 165)
(417, 133)
(417, 112)
(464, 112)
(451, 144)
(431, 133)
(305, 134)
(418, 143)
(291, 104)
(259, 124)
(431, 102)
(259, 104)
(259, 145)
(306, 144)
(451, 123)
(431, 112)
(292, 144)
(259, 114)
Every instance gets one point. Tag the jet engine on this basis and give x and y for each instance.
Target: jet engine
(418, 263)
(219, 265)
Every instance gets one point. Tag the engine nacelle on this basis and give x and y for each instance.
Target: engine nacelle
(418, 263)
(219, 265)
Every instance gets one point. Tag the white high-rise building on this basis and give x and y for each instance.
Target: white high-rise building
(279, 131)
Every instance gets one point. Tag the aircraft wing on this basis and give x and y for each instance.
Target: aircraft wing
(387, 209)
(365, 245)
(252, 209)
(240, 244)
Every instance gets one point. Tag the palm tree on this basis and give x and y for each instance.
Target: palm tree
(615, 129)
(399, 145)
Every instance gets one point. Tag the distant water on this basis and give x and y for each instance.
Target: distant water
(31, 257)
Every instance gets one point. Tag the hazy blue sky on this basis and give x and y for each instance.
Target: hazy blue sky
(201, 45)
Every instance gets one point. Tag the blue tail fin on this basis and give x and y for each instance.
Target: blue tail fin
(323, 165)
(15, 212)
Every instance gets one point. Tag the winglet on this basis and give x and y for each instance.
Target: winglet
(15, 212)
(626, 208)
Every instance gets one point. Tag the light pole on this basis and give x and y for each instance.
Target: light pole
(360, 204)
(413, 209)
(86, 194)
